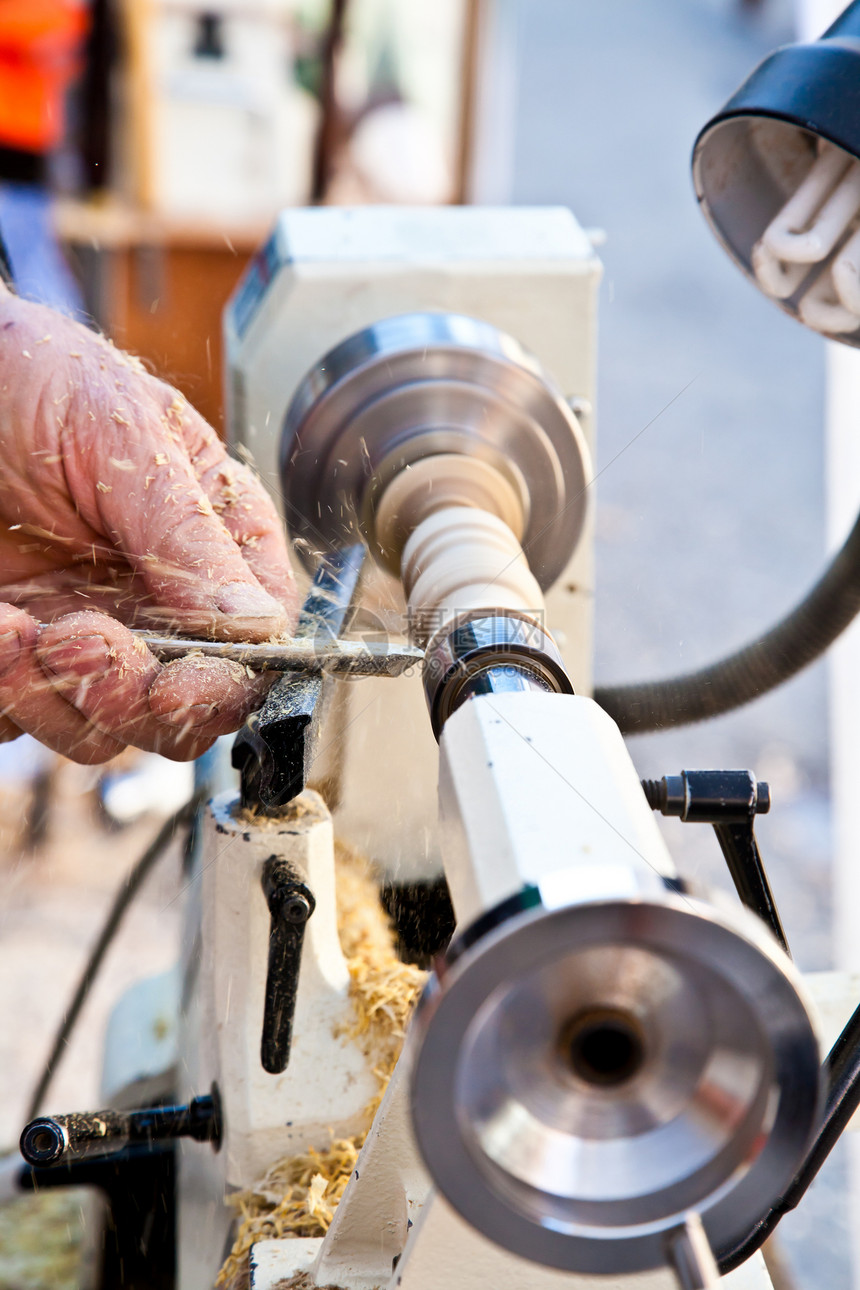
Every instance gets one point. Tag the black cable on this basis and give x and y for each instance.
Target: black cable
(841, 1071)
(126, 894)
(794, 642)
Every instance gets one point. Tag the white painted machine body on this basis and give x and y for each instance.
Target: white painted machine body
(538, 802)
(267, 1116)
(323, 276)
(328, 1081)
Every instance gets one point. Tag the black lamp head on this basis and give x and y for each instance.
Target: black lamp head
(777, 176)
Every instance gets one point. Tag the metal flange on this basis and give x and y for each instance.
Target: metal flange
(586, 1073)
(415, 386)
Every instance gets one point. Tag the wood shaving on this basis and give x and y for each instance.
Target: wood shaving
(316, 1191)
(36, 530)
(299, 809)
(299, 1195)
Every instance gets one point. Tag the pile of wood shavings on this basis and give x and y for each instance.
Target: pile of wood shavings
(299, 1195)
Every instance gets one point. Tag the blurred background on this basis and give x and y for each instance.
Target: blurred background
(145, 148)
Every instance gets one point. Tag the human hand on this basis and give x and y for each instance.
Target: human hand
(119, 506)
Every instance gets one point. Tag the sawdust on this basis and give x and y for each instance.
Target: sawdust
(299, 1195)
(302, 1281)
(43, 1241)
(308, 806)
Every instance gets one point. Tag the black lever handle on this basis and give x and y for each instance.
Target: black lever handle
(51, 1139)
(290, 905)
(730, 801)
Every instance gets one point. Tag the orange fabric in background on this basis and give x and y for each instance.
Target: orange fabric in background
(40, 41)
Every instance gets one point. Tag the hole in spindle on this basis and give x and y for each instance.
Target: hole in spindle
(603, 1047)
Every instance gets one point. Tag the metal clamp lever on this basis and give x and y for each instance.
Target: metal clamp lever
(290, 905)
(730, 801)
(49, 1140)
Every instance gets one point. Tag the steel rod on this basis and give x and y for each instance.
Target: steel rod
(300, 654)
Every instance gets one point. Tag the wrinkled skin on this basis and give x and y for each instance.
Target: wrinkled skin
(119, 507)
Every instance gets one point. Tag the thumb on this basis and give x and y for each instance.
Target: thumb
(166, 527)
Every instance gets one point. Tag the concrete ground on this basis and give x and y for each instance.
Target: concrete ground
(711, 520)
(52, 906)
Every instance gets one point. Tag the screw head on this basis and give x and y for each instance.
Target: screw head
(296, 908)
(42, 1142)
